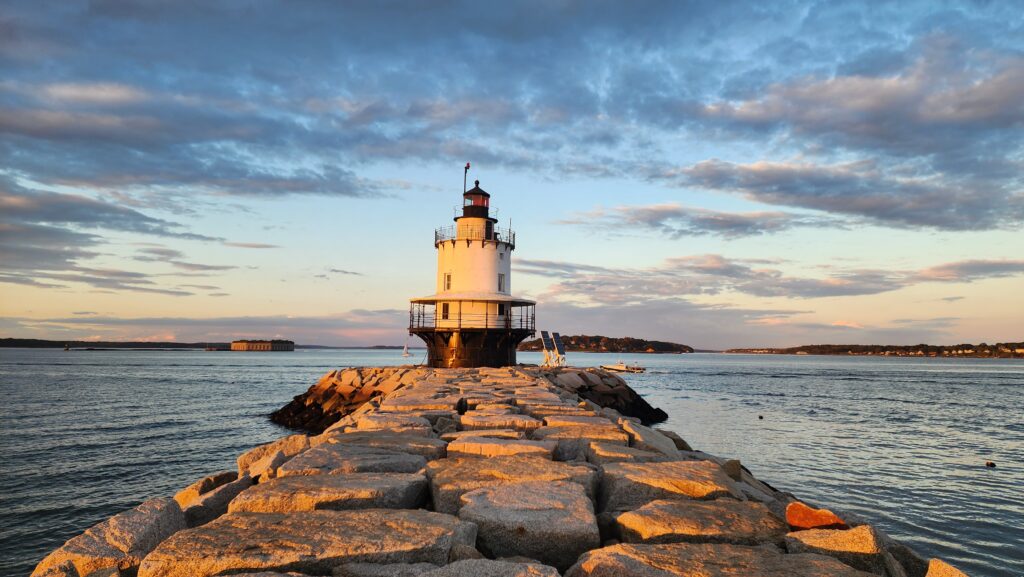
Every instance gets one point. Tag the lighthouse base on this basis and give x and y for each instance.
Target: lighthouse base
(466, 347)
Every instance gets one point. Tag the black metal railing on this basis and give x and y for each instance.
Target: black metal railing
(426, 316)
(493, 233)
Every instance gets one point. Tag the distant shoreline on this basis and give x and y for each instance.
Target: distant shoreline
(12, 343)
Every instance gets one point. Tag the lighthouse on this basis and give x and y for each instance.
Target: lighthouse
(472, 319)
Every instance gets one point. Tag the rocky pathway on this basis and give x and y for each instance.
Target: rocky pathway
(466, 472)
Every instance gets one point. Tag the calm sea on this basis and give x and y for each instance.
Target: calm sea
(903, 442)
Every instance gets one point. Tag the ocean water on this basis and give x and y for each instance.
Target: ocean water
(902, 442)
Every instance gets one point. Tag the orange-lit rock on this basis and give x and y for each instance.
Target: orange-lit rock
(800, 516)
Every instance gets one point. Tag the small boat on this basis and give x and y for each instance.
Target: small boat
(405, 351)
(622, 367)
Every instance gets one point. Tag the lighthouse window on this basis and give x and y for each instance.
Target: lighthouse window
(444, 311)
(447, 283)
(501, 256)
(501, 282)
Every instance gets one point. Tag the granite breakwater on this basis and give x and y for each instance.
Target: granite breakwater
(513, 471)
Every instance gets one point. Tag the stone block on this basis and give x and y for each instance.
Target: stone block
(600, 453)
(939, 568)
(577, 421)
(414, 444)
(483, 447)
(573, 440)
(290, 445)
(800, 516)
(394, 422)
(190, 494)
(310, 542)
(680, 443)
(342, 458)
(334, 492)
(705, 560)
(215, 503)
(121, 541)
(648, 439)
(488, 433)
(859, 547)
(550, 521)
(719, 521)
(471, 421)
(627, 486)
(451, 478)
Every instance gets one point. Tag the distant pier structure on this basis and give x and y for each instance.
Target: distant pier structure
(266, 346)
(472, 320)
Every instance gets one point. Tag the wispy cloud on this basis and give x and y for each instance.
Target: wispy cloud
(683, 277)
(676, 221)
(255, 245)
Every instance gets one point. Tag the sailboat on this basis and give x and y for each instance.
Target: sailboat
(405, 351)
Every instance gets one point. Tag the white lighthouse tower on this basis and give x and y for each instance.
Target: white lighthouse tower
(472, 320)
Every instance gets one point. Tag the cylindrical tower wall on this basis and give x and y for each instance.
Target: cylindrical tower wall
(467, 264)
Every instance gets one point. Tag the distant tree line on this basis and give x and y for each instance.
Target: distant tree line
(601, 344)
(1003, 350)
(44, 344)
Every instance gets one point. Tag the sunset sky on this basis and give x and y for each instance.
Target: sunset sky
(712, 173)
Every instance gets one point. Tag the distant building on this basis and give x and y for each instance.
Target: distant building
(274, 345)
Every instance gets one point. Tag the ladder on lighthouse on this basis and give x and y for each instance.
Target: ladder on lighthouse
(554, 350)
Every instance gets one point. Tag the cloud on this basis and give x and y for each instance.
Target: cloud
(679, 278)
(970, 270)
(256, 245)
(934, 143)
(18, 204)
(722, 327)
(858, 189)
(930, 96)
(344, 272)
(101, 93)
(676, 221)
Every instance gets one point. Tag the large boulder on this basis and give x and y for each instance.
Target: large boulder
(488, 433)
(484, 447)
(601, 453)
(705, 560)
(290, 446)
(577, 420)
(627, 486)
(190, 494)
(310, 542)
(121, 541)
(939, 568)
(394, 422)
(344, 458)
(452, 478)
(334, 492)
(215, 503)
(859, 547)
(800, 516)
(573, 440)
(550, 521)
(648, 439)
(473, 420)
(719, 521)
(414, 444)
